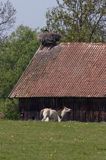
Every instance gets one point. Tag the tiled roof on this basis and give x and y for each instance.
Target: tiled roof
(68, 69)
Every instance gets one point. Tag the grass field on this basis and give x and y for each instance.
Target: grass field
(30, 140)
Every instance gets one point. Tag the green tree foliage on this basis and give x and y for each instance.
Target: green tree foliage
(7, 18)
(10, 108)
(79, 20)
(15, 55)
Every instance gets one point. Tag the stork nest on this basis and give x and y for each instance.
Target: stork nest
(49, 38)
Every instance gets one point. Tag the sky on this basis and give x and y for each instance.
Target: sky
(32, 12)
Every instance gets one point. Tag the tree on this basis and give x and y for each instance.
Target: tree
(18, 49)
(7, 18)
(79, 20)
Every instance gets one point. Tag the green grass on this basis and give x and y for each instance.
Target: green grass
(30, 140)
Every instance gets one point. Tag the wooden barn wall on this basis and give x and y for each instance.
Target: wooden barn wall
(83, 109)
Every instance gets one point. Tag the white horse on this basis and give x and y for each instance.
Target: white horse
(48, 114)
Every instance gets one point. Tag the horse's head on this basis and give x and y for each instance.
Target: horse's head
(65, 109)
(65, 114)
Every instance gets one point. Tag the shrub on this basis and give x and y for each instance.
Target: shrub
(10, 108)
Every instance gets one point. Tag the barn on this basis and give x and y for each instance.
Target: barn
(65, 74)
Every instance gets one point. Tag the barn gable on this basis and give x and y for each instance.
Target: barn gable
(65, 70)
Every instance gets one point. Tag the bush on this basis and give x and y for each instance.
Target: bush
(10, 108)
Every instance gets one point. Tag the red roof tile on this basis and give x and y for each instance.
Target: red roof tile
(68, 69)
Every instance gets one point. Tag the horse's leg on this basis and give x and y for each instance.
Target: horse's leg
(54, 116)
(44, 117)
(47, 119)
(59, 119)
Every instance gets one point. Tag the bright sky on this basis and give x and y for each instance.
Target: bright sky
(32, 12)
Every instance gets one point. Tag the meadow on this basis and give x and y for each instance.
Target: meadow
(31, 140)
